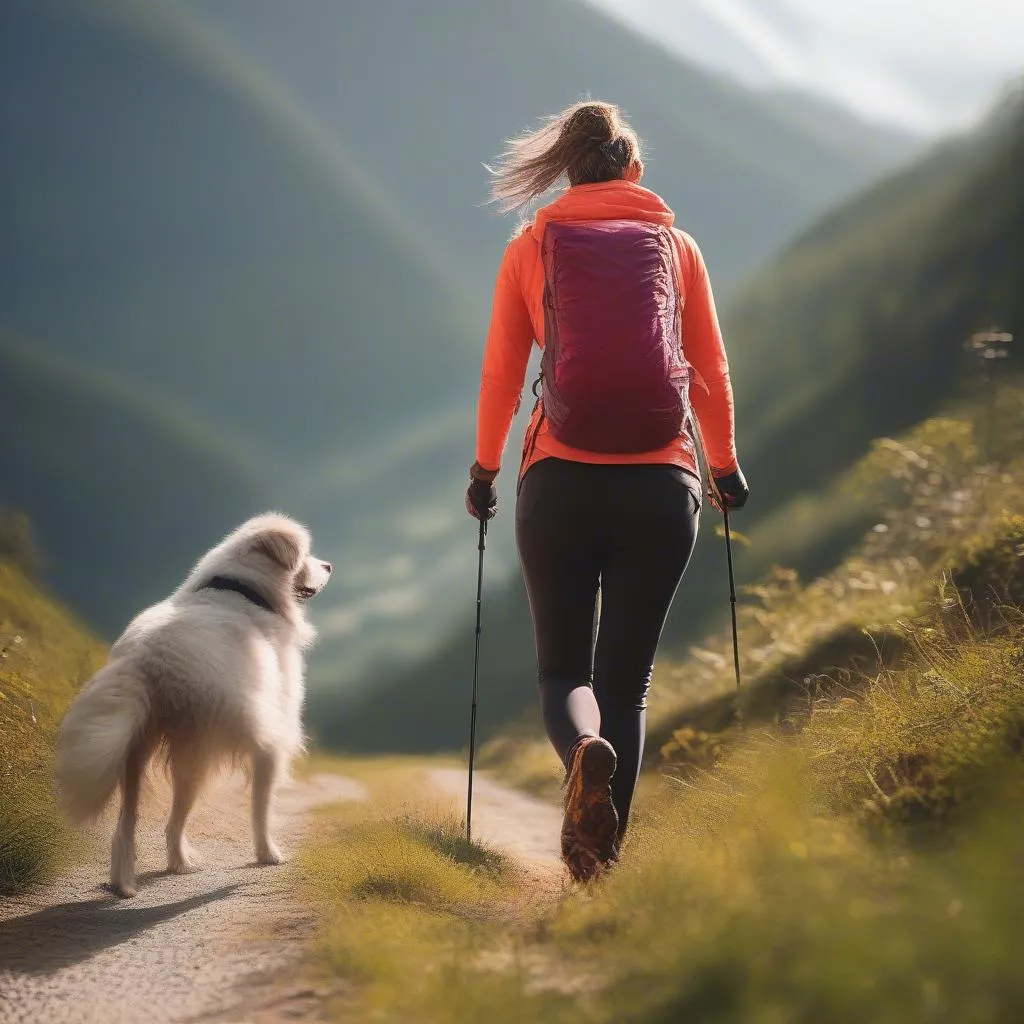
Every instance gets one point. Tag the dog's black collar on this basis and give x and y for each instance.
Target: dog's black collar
(227, 583)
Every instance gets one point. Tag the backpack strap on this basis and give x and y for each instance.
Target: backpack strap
(692, 425)
(678, 274)
(695, 374)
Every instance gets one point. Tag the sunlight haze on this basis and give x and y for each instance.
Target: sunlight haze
(915, 65)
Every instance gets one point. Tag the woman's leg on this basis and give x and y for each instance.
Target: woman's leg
(651, 529)
(560, 558)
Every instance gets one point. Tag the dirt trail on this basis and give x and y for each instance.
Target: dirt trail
(213, 946)
(208, 946)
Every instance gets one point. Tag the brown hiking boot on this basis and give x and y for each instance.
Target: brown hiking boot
(590, 828)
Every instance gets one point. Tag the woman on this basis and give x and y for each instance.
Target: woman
(600, 512)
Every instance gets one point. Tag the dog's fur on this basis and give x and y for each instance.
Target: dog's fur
(205, 675)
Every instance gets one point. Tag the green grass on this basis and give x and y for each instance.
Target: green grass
(45, 655)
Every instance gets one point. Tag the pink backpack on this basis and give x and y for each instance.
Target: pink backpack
(613, 373)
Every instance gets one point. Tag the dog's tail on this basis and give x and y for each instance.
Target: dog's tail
(107, 718)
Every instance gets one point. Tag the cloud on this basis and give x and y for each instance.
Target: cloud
(987, 34)
(914, 63)
(802, 53)
(937, 69)
(749, 26)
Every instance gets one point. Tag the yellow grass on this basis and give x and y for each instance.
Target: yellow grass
(45, 655)
(405, 899)
(863, 869)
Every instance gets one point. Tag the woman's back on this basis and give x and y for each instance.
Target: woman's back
(518, 320)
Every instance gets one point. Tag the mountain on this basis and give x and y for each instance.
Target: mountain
(856, 331)
(243, 265)
(174, 228)
(830, 120)
(424, 92)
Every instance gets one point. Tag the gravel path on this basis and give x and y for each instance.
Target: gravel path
(210, 946)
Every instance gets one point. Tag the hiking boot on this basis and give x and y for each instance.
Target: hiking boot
(590, 828)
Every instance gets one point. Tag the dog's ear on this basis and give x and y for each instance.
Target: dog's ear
(282, 546)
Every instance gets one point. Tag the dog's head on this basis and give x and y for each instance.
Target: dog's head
(284, 546)
(271, 551)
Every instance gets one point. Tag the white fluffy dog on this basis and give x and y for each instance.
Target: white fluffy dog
(214, 671)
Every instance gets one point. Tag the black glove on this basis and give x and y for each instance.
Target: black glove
(482, 496)
(733, 489)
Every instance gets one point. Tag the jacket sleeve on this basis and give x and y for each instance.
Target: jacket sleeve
(704, 349)
(506, 357)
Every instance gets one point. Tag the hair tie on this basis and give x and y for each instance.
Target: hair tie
(617, 151)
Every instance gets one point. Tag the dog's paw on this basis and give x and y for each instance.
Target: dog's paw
(123, 887)
(183, 861)
(122, 868)
(268, 853)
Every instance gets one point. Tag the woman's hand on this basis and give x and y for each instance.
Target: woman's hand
(482, 496)
(732, 487)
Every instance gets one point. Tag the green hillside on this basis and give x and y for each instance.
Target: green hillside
(865, 315)
(858, 329)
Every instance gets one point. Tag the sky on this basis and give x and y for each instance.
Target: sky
(926, 65)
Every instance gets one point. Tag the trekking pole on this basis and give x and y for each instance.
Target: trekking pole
(732, 603)
(732, 575)
(476, 680)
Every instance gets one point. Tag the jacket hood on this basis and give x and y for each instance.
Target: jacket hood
(606, 200)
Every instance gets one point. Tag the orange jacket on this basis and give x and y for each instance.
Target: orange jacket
(517, 320)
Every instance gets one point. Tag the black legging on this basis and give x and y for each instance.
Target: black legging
(626, 532)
